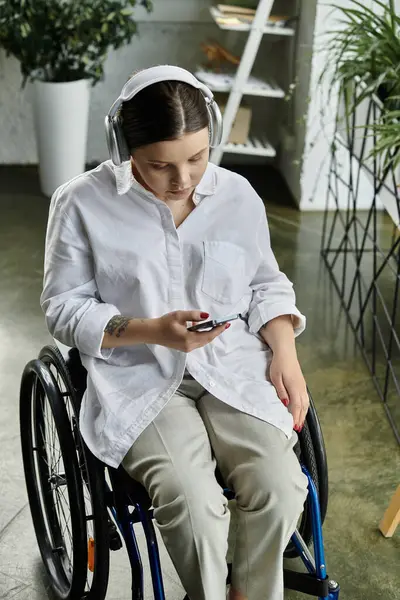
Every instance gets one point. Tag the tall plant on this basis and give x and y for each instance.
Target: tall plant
(65, 40)
(364, 48)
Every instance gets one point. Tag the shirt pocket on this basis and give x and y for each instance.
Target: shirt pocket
(224, 271)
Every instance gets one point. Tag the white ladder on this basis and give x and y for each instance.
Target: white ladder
(241, 84)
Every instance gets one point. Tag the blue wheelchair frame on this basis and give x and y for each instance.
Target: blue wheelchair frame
(314, 583)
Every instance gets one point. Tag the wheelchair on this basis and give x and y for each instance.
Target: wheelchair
(81, 508)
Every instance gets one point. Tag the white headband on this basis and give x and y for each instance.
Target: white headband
(152, 75)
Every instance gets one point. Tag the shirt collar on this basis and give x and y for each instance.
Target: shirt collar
(208, 182)
(124, 180)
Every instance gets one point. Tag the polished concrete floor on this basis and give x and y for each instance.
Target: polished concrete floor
(363, 456)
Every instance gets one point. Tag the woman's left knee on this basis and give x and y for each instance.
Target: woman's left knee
(281, 491)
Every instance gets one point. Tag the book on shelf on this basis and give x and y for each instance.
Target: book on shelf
(237, 10)
(235, 16)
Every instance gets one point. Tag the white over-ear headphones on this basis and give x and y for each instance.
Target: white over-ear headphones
(117, 146)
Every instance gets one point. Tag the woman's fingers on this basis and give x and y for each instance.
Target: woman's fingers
(205, 337)
(183, 316)
(295, 407)
(304, 410)
(298, 406)
(281, 390)
(291, 389)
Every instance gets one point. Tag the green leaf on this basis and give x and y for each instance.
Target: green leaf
(25, 29)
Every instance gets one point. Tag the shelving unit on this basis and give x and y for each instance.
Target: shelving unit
(243, 83)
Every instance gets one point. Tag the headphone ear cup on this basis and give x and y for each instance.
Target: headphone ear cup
(110, 137)
(123, 150)
(117, 146)
(216, 124)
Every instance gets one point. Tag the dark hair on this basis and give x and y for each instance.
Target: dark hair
(163, 111)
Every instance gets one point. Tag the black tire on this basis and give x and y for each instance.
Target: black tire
(307, 458)
(45, 428)
(313, 456)
(320, 457)
(92, 479)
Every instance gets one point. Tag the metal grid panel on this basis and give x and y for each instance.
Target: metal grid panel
(363, 258)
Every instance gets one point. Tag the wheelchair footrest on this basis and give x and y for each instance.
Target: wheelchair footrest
(306, 583)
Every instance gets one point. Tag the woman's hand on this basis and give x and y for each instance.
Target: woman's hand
(285, 372)
(171, 331)
(287, 378)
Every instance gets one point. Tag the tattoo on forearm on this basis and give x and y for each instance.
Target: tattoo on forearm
(117, 325)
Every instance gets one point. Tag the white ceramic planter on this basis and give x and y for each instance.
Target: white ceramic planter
(61, 112)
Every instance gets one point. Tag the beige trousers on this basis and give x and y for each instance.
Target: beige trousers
(175, 459)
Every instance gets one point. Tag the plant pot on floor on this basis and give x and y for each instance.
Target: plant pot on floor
(61, 112)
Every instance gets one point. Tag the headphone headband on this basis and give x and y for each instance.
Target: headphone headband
(117, 146)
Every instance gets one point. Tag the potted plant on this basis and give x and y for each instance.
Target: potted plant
(365, 48)
(62, 46)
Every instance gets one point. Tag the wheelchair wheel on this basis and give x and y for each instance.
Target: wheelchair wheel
(311, 453)
(92, 482)
(320, 457)
(53, 482)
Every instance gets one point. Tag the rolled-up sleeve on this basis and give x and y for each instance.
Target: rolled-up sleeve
(273, 294)
(74, 312)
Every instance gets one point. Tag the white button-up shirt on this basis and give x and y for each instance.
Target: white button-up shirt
(113, 248)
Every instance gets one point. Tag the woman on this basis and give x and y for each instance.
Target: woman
(137, 249)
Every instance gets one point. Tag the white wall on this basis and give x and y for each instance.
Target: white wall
(320, 133)
(293, 132)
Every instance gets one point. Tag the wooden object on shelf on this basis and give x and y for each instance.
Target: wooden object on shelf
(391, 518)
(217, 54)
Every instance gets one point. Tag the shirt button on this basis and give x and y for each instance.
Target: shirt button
(212, 383)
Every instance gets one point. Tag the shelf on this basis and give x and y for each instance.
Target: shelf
(223, 82)
(254, 147)
(270, 29)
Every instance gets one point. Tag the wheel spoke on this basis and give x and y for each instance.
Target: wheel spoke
(66, 520)
(51, 429)
(57, 509)
(57, 465)
(48, 426)
(52, 455)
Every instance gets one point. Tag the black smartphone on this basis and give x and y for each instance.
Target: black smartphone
(208, 325)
